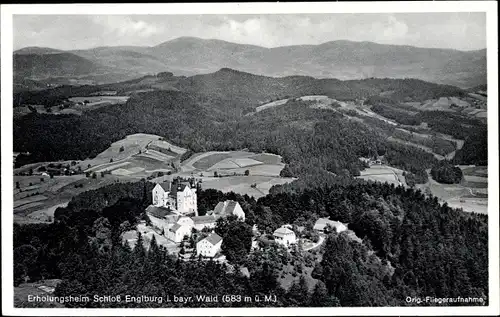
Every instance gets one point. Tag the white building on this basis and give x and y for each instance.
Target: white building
(179, 197)
(183, 227)
(284, 236)
(209, 246)
(228, 208)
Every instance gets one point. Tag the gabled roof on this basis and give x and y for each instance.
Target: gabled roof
(282, 231)
(175, 227)
(203, 219)
(158, 212)
(213, 239)
(225, 208)
(166, 186)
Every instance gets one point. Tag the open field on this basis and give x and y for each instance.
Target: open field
(469, 195)
(227, 163)
(474, 105)
(133, 156)
(243, 184)
(384, 174)
(271, 105)
(52, 193)
(75, 105)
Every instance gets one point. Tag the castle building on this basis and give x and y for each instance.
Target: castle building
(178, 197)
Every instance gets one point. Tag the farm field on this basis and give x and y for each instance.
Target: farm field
(471, 196)
(383, 174)
(37, 203)
(264, 170)
(474, 105)
(133, 157)
(243, 184)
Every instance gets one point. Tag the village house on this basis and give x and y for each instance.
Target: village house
(285, 236)
(228, 208)
(209, 246)
(322, 223)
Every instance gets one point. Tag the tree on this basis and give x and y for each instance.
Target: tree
(237, 241)
(102, 231)
(18, 185)
(122, 148)
(320, 297)
(247, 172)
(125, 226)
(298, 294)
(102, 174)
(111, 160)
(94, 175)
(42, 179)
(216, 174)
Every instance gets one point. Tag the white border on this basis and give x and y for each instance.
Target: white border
(490, 7)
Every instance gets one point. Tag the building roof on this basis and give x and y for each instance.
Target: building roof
(203, 219)
(175, 227)
(213, 239)
(225, 208)
(282, 231)
(158, 212)
(166, 186)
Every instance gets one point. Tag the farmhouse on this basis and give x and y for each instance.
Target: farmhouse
(178, 196)
(228, 208)
(209, 246)
(284, 236)
(323, 223)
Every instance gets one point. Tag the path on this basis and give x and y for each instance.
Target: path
(320, 242)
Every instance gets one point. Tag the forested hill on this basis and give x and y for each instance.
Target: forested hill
(242, 91)
(312, 142)
(420, 247)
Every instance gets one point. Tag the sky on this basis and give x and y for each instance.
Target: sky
(462, 31)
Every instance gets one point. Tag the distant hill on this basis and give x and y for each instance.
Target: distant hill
(54, 64)
(36, 50)
(344, 60)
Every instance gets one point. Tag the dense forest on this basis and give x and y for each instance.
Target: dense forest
(446, 173)
(411, 245)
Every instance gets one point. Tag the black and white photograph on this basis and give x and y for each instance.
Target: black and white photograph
(267, 159)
